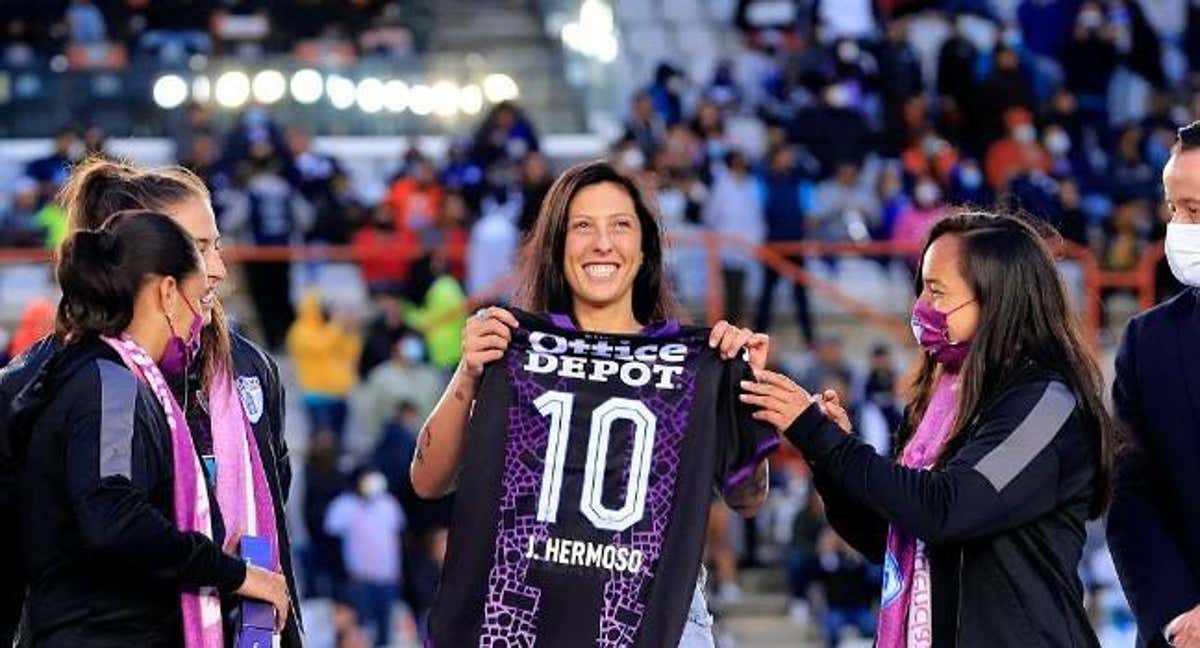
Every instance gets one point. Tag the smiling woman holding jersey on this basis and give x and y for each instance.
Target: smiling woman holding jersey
(593, 273)
(1006, 453)
(116, 521)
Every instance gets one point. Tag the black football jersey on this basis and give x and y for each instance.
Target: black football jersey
(588, 468)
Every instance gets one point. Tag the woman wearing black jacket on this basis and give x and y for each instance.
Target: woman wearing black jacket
(98, 188)
(1006, 452)
(116, 524)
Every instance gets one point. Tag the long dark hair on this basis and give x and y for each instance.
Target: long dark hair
(542, 280)
(100, 187)
(101, 270)
(1024, 318)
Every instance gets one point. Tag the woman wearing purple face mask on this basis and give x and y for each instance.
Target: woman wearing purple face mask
(117, 525)
(1006, 452)
(229, 387)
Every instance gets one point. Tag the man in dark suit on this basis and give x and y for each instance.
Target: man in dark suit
(1154, 523)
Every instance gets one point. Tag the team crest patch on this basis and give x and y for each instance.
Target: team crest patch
(250, 389)
(892, 581)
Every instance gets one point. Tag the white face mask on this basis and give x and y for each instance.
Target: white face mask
(1183, 252)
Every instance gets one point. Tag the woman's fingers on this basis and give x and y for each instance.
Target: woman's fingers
(504, 317)
(484, 357)
(781, 381)
(760, 349)
(717, 333)
(770, 390)
(486, 342)
(489, 326)
(773, 418)
(767, 401)
(734, 341)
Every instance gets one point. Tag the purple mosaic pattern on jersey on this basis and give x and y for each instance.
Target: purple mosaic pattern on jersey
(511, 609)
(512, 605)
(624, 600)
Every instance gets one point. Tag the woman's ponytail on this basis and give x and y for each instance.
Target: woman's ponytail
(100, 271)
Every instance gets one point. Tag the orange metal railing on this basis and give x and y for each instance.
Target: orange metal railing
(1141, 280)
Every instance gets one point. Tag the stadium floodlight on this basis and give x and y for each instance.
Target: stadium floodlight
(572, 36)
(470, 99)
(596, 16)
(604, 47)
(307, 86)
(201, 89)
(340, 91)
(170, 91)
(592, 34)
(420, 99)
(445, 98)
(395, 95)
(269, 86)
(500, 87)
(369, 95)
(233, 89)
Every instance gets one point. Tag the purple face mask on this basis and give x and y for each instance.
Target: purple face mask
(179, 353)
(931, 327)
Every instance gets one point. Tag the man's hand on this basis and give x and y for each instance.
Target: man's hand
(1184, 631)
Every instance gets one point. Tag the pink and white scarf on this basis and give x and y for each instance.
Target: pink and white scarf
(906, 613)
(242, 490)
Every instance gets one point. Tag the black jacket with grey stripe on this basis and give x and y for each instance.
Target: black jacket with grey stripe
(24, 391)
(1002, 515)
(105, 560)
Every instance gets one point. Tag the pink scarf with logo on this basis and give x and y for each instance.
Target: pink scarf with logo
(906, 614)
(242, 490)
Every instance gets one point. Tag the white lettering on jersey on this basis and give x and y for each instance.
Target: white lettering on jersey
(581, 553)
(583, 360)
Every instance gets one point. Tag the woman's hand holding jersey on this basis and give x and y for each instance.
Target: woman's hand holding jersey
(730, 339)
(485, 338)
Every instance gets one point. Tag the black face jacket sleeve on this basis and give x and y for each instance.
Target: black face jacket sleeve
(1006, 473)
(276, 400)
(858, 524)
(1156, 576)
(111, 465)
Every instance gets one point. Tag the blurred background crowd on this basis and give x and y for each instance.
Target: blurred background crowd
(764, 122)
